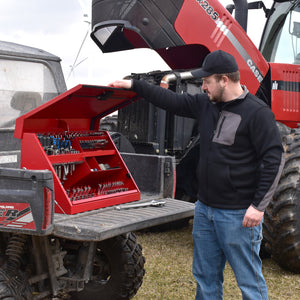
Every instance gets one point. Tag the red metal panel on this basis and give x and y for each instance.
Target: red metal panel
(286, 93)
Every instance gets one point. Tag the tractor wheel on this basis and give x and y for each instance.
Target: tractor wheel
(117, 272)
(109, 123)
(13, 285)
(282, 217)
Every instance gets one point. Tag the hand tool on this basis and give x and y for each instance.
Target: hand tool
(154, 203)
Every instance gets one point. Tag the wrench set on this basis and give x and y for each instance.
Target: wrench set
(64, 169)
(86, 191)
(62, 135)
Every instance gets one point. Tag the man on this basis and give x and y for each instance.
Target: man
(241, 158)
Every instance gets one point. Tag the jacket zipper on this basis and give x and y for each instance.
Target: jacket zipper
(221, 125)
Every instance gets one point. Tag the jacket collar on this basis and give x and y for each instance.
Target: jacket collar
(244, 93)
(222, 105)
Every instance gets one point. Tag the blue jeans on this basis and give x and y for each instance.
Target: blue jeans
(219, 237)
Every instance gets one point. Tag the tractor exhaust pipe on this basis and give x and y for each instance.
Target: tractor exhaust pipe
(241, 12)
(165, 81)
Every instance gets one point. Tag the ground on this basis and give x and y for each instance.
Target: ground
(169, 270)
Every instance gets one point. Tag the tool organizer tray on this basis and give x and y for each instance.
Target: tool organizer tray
(63, 136)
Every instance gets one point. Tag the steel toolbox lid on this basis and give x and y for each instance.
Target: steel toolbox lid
(80, 108)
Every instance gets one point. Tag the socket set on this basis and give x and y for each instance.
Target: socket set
(55, 144)
(92, 144)
(63, 136)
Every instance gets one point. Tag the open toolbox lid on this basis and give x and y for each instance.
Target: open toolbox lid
(80, 108)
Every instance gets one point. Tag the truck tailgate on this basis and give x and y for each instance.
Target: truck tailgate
(108, 222)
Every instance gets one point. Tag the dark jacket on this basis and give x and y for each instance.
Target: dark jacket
(241, 155)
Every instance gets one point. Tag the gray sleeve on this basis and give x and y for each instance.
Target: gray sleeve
(267, 142)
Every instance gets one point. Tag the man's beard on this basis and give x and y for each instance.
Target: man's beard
(218, 97)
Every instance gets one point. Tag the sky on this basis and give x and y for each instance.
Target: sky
(62, 27)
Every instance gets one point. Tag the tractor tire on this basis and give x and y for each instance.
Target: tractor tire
(118, 270)
(109, 123)
(13, 285)
(282, 217)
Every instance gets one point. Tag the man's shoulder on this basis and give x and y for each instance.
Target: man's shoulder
(258, 108)
(255, 102)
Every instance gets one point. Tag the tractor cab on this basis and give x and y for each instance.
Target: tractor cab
(280, 46)
(281, 37)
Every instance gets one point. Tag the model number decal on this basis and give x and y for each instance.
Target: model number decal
(208, 9)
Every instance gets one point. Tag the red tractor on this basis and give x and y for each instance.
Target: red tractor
(183, 32)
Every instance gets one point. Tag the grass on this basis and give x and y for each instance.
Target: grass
(169, 270)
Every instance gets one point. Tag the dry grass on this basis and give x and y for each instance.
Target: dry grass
(169, 270)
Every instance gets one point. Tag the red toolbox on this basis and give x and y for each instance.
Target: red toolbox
(63, 136)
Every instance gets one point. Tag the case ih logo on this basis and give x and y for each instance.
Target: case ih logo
(16, 215)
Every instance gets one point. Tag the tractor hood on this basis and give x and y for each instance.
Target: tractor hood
(155, 24)
(123, 25)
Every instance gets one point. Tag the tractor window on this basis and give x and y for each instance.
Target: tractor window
(23, 86)
(287, 44)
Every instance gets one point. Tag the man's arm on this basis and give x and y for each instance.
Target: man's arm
(184, 104)
(266, 139)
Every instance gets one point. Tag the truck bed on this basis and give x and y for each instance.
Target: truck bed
(108, 222)
(24, 211)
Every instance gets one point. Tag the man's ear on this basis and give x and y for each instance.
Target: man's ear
(224, 80)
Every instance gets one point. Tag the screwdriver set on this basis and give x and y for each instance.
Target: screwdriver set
(63, 136)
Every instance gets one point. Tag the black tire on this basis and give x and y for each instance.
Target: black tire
(282, 218)
(118, 270)
(109, 123)
(121, 142)
(13, 285)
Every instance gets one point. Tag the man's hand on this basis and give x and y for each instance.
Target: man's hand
(252, 217)
(121, 84)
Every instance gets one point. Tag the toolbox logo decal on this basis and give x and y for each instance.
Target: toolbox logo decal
(16, 215)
